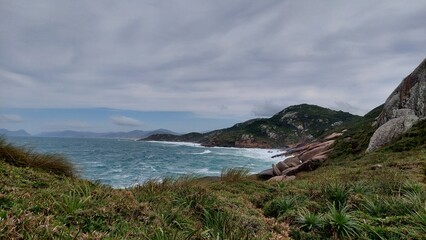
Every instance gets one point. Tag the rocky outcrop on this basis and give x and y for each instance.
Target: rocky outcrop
(301, 158)
(248, 141)
(403, 108)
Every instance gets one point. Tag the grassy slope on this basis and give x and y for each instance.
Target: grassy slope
(349, 197)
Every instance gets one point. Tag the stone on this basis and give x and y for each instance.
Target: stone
(333, 136)
(289, 178)
(275, 170)
(410, 94)
(281, 178)
(292, 161)
(376, 166)
(306, 166)
(403, 108)
(266, 174)
(391, 130)
(282, 166)
(320, 157)
(276, 179)
(316, 151)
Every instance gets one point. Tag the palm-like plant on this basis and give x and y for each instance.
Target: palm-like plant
(309, 220)
(341, 223)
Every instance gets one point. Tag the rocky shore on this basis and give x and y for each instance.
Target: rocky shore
(303, 157)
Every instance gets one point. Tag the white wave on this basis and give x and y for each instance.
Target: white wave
(202, 153)
(206, 171)
(189, 144)
(253, 153)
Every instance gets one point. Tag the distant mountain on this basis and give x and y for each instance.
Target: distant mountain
(292, 125)
(86, 134)
(19, 133)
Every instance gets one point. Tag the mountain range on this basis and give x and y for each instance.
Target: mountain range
(18, 133)
(88, 134)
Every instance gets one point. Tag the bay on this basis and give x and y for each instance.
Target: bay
(124, 163)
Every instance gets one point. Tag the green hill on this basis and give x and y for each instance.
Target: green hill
(292, 125)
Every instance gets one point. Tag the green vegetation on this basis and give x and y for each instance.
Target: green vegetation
(20, 157)
(348, 198)
(292, 125)
(355, 140)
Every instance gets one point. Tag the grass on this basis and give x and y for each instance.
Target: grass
(344, 199)
(234, 174)
(21, 157)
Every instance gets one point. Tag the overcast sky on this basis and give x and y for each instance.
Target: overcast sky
(214, 62)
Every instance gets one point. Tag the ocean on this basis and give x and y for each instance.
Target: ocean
(124, 163)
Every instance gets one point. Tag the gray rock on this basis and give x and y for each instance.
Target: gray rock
(282, 178)
(390, 131)
(403, 108)
(376, 166)
(292, 161)
(275, 170)
(410, 94)
(266, 174)
(282, 166)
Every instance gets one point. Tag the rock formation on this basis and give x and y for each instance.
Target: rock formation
(300, 158)
(403, 108)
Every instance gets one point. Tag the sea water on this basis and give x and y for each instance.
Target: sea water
(124, 163)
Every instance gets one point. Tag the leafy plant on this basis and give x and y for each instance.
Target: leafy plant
(337, 193)
(309, 220)
(279, 206)
(341, 224)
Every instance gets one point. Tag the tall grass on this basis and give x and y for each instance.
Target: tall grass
(21, 157)
(234, 174)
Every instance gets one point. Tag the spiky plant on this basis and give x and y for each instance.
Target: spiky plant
(341, 224)
(309, 220)
(337, 194)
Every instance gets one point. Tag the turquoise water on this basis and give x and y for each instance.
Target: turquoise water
(123, 163)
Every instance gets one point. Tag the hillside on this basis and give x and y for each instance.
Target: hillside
(292, 125)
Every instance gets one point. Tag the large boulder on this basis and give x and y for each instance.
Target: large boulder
(391, 130)
(319, 149)
(403, 108)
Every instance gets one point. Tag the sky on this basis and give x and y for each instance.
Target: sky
(198, 65)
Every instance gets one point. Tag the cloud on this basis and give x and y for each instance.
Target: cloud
(267, 109)
(199, 56)
(125, 121)
(11, 118)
